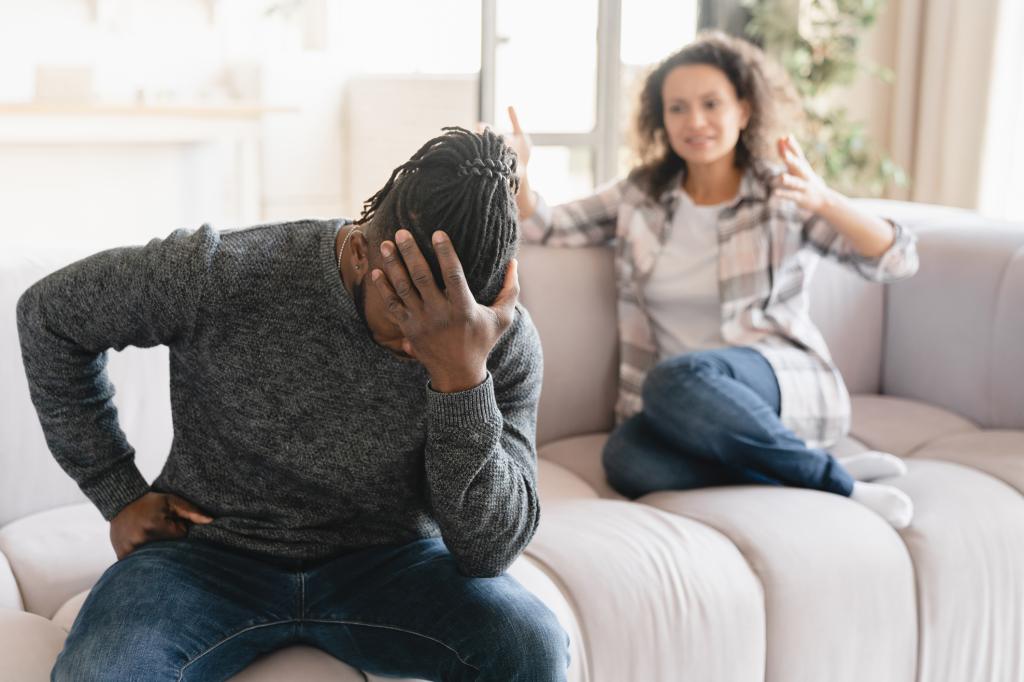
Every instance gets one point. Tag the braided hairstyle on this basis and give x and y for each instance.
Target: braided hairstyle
(465, 184)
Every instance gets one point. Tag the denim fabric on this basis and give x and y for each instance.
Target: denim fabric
(712, 418)
(192, 610)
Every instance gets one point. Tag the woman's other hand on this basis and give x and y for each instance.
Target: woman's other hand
(800, 183)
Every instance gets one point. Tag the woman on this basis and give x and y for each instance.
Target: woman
(724, 379)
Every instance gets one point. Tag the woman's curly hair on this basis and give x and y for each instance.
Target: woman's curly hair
(774, 107)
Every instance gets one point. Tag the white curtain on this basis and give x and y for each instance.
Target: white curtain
(945, 54)
(1002, 173)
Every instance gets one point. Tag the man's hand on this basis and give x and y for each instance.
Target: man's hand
(448, 332)
(154, 516)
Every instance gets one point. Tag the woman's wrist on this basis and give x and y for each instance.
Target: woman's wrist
(869, 235)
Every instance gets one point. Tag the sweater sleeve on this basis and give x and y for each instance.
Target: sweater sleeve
(134, 296)
(590, 221)
(481, 459)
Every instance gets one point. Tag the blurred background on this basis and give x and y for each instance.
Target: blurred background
(125, 119)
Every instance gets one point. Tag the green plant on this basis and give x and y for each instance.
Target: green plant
(816, 42)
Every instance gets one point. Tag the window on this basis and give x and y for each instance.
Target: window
(572, 69)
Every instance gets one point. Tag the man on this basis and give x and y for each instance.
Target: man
(353, 462)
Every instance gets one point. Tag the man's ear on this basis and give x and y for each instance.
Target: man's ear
(360, 246)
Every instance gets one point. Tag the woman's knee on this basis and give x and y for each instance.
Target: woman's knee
(631, 460)
(678, 378)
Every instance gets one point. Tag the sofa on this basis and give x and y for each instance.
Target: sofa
(728, 584)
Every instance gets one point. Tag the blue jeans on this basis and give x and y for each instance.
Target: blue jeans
(191, 610)
(712, 418)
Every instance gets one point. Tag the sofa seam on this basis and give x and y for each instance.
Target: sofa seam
(989, 378)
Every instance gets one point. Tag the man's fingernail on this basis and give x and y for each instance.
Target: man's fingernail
(375, 275)
(401, 236)
(385, 248)
(438, 237)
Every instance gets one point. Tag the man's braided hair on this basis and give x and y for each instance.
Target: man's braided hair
(465, 184)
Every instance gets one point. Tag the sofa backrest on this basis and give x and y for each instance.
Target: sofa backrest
(30, 479)
(570, 293)
(954, 333)
(977, 370)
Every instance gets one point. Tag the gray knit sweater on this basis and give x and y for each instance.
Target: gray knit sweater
(300, 435)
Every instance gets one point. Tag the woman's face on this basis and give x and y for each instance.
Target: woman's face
(703, 117)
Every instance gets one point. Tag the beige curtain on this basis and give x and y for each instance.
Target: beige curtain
(943, 63)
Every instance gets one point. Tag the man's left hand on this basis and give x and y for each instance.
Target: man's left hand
(447, 331)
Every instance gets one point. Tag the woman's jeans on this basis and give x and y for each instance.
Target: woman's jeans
(712, 418)
(191, 610)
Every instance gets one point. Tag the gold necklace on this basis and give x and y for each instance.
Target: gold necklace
(352, 230)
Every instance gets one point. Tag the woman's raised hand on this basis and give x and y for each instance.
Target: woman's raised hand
(520, 142)
(800, 183)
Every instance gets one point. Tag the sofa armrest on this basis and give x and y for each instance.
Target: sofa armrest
(953, 332)
(55, 554)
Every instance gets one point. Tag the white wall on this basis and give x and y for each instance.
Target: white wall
(312, 160)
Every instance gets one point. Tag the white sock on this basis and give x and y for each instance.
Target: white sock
(872, 465)
(892, 504)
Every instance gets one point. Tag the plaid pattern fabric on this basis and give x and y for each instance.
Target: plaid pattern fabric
(768, 249)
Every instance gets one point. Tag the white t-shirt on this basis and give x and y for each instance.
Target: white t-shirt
(682, 291)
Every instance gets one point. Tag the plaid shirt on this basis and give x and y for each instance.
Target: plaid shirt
(768, 249)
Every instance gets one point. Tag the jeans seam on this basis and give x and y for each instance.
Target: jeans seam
(181, 673)
(397, 629)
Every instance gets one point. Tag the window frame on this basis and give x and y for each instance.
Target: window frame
(603, 140)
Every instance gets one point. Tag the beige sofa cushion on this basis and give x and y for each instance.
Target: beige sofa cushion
(573, 289)
(953, 331)
(56, 554)
(900, 426)
(29, 645)
(10, 595)
(998, 453)
(582, 456)
(838, 582)
(966, 543)
(658, 596)
(556, 483)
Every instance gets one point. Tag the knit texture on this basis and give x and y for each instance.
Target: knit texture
(292, 428)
